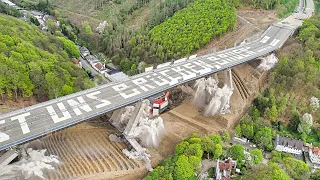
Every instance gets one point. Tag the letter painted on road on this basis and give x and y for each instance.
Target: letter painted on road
(81, 104)
(163, 81)
(22, 121)
(143, 84)
(103, 101)
(173, 80)
(54, 115)
(3, 136)
(186, 74)
(206, 67)
(121, 87)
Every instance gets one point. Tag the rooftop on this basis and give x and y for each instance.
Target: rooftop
(316, 151)
(83, 48)
(76, 61)
(227, 165)
(99, 66)
(289, 142)
(9, 3)
(91, 58)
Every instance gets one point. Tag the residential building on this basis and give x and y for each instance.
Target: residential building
(314, 155)
(84, 52)
(224, 168)
(98, 66)
(289, 145)
(76, 62)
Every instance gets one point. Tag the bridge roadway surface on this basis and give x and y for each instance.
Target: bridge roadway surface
(34, 121)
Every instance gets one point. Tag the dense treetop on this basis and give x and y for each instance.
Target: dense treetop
(32, 62)
(194, 26)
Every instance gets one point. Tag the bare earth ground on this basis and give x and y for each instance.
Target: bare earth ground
(87, 153)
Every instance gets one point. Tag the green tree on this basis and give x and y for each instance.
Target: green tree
(263, 138)
(54, 84)
(266, 172)
(225, 136)
(195, 162)
(182, 147)
(216, 139)
(296, 169)
(305, 124)
(294, 120)
(85, 32)
(70, 47)
(237, 153)
(238, 131)
(217, 151)
(194, 150)
(133, 69)
(272, 113)
(247, 131)
(183, 169)
(315, 175)
(256, 156)
(66, 90)
(207, 145)
(52, 26)
(255, 114)
(34, 21)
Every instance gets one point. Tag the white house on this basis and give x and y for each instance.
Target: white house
(289, 145)
(314, 155)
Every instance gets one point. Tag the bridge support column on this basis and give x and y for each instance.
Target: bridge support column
(230, 78)
(215, 76)
(7, 157)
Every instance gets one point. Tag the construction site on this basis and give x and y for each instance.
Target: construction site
(128, 142)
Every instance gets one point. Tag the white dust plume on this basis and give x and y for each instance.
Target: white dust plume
(32, 163)
(101, 27)
(268, 62)
(314, 103)
(208, 90)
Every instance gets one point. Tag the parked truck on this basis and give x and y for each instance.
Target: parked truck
(159, 103)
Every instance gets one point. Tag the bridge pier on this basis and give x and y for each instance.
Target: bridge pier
(8, 156)
(128, 130)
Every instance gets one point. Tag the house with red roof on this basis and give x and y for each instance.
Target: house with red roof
(314, 155)
(76, 62)
(224, 169)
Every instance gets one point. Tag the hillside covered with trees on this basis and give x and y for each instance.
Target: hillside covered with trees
(36, 63)
(187, 30)
(290, 106)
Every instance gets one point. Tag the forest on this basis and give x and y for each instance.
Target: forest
(192, 28)
(37, 63)
(194, 25)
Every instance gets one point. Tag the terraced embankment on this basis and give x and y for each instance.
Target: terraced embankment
(87, 153)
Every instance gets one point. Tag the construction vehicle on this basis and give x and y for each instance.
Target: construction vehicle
(159, 103)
